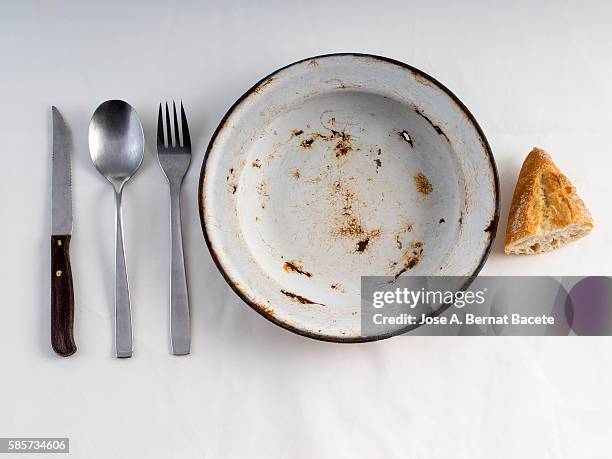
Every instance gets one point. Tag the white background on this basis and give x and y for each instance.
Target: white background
(532, 73)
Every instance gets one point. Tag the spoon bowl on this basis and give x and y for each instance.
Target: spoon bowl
(116, 141)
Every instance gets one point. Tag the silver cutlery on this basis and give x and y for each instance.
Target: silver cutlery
(174, 154)
(62, 296)
(116, 145)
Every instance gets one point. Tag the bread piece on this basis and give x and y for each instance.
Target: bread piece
(546, 212)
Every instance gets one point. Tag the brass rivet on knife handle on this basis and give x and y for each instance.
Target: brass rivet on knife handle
(62, 297)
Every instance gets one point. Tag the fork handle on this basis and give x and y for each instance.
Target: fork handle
(180, 322)
(62, 297)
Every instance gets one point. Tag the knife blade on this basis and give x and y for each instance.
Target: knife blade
(62, 294)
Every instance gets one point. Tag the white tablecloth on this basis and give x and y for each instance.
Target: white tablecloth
(532, 73)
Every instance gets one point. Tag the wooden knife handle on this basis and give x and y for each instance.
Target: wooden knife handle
(62, 297)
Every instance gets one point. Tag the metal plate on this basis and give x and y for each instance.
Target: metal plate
(342, 166)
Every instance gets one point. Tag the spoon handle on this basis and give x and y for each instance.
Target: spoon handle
(179, 300)
(123, 313)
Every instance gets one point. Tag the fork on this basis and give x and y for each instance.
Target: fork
(174, 158)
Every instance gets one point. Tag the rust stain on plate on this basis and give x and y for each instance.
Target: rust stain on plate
(349, 223)
(424, 81)
(262, 191)
(298, 298)
(407, 228)
(341, 139)
(492, 226)
(267, 309)
(411, 258)
(259, 89)
(307, 143)
(364, 243)
(351, 228)
(343, 146)
(295, 267)
(406, 137)
(437, 128)
(422, 184)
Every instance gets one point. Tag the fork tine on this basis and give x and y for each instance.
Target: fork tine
(168, 127)
(160, 128)
(176, 127)
(186, 138)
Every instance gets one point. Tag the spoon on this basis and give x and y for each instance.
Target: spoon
(116, 145)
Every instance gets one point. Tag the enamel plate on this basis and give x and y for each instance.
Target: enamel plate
(338, 167)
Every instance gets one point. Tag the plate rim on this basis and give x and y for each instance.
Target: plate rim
(264, 311)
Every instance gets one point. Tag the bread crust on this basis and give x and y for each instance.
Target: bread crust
(544, 202)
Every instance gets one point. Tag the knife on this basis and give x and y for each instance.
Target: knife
(62, 295)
